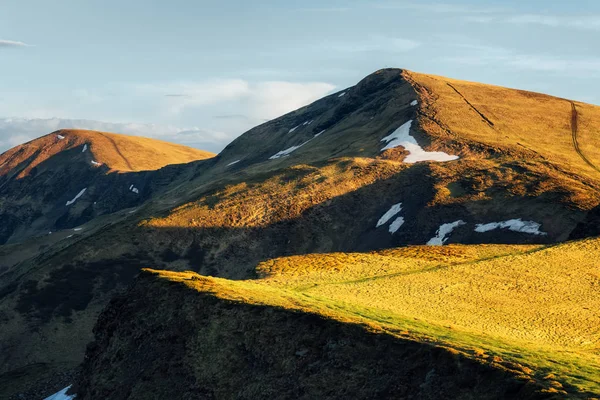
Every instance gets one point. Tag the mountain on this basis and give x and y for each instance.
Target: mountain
(69, 177)
(399, 159)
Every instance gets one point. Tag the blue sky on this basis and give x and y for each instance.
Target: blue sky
(202, 72)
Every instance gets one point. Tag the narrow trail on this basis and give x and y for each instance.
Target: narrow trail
(574, 130)
(482, 115)
(118, 151)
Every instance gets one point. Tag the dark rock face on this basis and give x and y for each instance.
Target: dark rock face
(164, 340)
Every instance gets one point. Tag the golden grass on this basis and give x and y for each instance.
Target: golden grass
(283, 195)
(518, 120)
(118, 152)
(527, 305)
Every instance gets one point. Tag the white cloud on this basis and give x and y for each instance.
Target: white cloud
(206, 115)
(259, 101)
(12, 43)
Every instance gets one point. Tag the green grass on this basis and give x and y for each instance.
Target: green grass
(544, 327)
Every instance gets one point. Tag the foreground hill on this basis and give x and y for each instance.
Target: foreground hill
(69, 177)
(399, 159)
(459, 322)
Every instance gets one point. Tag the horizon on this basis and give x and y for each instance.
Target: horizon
(201, 74)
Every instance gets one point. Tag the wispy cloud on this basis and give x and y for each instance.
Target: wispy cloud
(12, 43)
(585, 22)
(591, 22)
(373, 43)
(482, 55)
(441, 8)
(324, 9)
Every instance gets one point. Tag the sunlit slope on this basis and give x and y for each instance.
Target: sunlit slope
(522, 304)
(560, 131)
(117, 152)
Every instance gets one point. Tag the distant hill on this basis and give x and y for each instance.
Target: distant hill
(69, 177)
(399, 159)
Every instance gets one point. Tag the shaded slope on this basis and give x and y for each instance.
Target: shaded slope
(167, 340)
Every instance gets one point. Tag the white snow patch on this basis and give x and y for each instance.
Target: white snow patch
(76, 197)
(96, 163)
(60, 137)
(62, 395)
(132, 211)
(414, 103)
(235, 162)
(70, 236)
(394, 226)
(78, 229)
(443, 231)
(287, 152)
(342, 94)
(294, 128)
(130, 187)
(135, 190)
(84, 148)
(402, 137)
(306, 123)
(310, 122)
(516, 225)
(395, 209)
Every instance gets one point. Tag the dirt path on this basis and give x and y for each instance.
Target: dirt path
(482, 115)
(574, 129)
(118, 151)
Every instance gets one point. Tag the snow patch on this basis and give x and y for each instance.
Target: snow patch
(77, 229)
(60, 137)
(287, 152)
(84, 148)
(402, 137)
(342, 94)
(76, 197)
(443, 231)
(516, 225)
(62, 395)
(394, 226)
(395, 209)
(235, 162)
(97, 164)
(294, 128)
(414, 103)
(70, 236)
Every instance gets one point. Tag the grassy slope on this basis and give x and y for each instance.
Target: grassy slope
(513, 119)
(526, 305)
(118, 152)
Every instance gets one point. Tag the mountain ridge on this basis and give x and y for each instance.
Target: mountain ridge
(518, 181)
